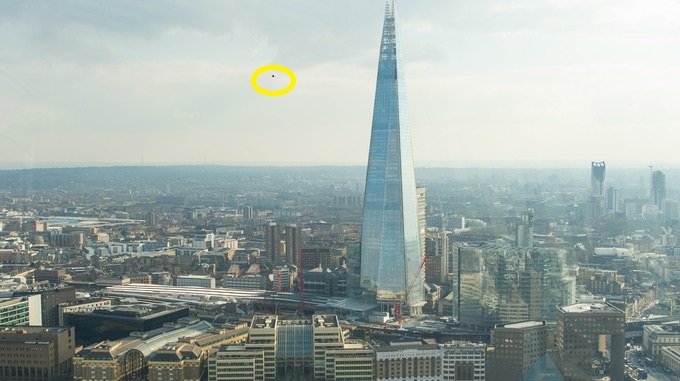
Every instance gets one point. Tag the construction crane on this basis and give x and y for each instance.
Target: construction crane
(399, 303)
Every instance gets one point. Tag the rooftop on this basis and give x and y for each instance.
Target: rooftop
(589, 307)
(463, 345)
(263, 321)
(327, 321)
(214, 336)
(675, 352)
(188, 295)
(10, 302)
(32, 330)
(155, 340)
(176, 352)
(194, 276)
(406, 347)
(299, 321)
(143, 312)
(524, 324)
(356, 344)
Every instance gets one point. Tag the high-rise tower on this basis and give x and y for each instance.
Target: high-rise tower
(390, 243)
(597, 172)
(293, 243)
(273, 243)
(658, 189)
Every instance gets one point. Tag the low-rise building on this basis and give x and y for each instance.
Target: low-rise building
(119, 321)
(195, 281)
(326, 282)
(579, 339)
(243, 257)
(226, 334)
(282, 279)
(129, 357)
(26, 310)
(162, 278)
(238, 362)
(515, 348)
(86, 305)
(670, 357)
(140, 278)
(276, 347)
(326, 335)
(245, 282)
(176, 362)
(408, 361)
(50, 298)
(655, 337)
(112, 281)
(352, 362)
(316, 258)
(36, 353)
(463, 361)
(251, 280)
(53, 276)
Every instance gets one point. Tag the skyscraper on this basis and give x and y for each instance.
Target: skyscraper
(597, 172)
(613, 201)
(293, 242)
(391, 246)
(524, 231)
(658, 189)
(273, 236)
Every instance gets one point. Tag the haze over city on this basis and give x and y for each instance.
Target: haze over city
(490, 83)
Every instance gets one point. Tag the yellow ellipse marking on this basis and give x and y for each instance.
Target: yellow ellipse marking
(272, 93)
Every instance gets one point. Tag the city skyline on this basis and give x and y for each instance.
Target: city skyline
(492, 83)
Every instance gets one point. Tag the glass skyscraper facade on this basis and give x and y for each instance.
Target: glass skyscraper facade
(390, 240)
(503, 284)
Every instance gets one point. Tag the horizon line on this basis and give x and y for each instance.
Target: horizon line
(467, 164)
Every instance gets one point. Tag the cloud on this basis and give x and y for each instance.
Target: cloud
(89, 31)
(486, 79)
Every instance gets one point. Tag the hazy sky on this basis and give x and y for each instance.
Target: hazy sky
(488, 80)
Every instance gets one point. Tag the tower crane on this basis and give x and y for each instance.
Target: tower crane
(403, 301)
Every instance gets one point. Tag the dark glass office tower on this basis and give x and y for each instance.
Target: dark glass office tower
(658, 189)
(390, 242)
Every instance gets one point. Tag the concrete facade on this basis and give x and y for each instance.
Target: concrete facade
(408, 362)
(463, 361)
(655, 337)
(298, 347)
(36, 353)
(515, 349)
(580, 327)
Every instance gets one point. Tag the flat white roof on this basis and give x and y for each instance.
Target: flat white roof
(589, 307)
(195, 276)
(524, 324)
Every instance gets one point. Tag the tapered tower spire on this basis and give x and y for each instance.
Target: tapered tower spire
(390, 245)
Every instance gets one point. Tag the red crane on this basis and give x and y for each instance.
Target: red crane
(399, 303)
